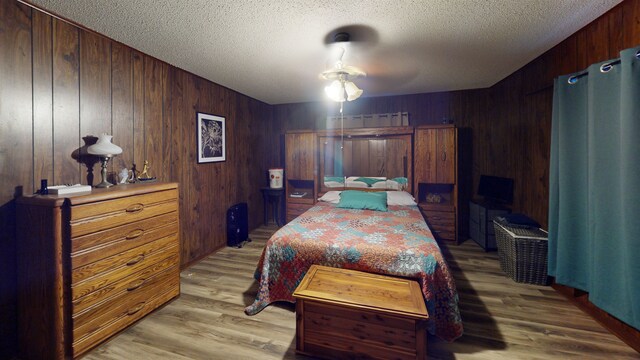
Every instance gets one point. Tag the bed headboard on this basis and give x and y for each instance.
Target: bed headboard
(379, 157)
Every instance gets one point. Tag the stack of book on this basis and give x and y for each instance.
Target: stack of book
(68, 189)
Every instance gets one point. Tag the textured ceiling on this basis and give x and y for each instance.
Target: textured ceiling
(273, 50)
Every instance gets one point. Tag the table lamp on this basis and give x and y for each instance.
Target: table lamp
(105, 150)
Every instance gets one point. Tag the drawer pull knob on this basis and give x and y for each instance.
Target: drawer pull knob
(135, 309)
(136, 260)
(134, 234)
(135, 284)
(134, 208)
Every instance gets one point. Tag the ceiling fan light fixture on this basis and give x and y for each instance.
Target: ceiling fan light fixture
(341, 75)
(335, 91)
(353, 92)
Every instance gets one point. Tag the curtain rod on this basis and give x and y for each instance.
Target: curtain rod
(604, 68)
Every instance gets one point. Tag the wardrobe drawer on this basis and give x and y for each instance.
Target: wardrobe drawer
(129, 284)
(448, 235)
(111, 242)
(88, 218)
(124, 317)
(91, 277)
(440, 218)
(297, 209)
(441, 229)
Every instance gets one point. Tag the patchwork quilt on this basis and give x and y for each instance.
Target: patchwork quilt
(397, 243)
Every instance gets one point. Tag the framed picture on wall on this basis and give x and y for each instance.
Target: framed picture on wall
(211, 138)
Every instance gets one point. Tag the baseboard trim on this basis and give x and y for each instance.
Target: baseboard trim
(579, 298)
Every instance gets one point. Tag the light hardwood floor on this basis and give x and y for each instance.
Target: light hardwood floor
(502, 319)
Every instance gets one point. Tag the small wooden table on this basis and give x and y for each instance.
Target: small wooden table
(272, 196)
(345, 314)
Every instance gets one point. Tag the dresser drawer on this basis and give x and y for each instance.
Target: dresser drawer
(91, 277)
(129, 284)
(95, 246)
(93, 318)
(104, 215)
(124, 317)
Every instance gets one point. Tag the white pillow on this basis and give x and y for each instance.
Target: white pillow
(400, 198)
(393, 185)
(331, 197)
(333, 184)
(380, 185)
(356, 184)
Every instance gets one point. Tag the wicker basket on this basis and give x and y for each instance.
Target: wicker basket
(522, 253)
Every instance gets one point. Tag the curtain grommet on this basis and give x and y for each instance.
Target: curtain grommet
(605, 68)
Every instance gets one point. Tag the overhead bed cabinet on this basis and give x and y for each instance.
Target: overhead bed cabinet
(436, 178)
(93, 263)
(300, 172)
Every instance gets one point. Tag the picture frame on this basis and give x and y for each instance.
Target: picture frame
(211, 135)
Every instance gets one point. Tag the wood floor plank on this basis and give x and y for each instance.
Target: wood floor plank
(502, 319)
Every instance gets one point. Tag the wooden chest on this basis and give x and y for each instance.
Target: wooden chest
(350, 314)
(91, 264)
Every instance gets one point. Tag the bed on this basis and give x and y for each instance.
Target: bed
(397, 242)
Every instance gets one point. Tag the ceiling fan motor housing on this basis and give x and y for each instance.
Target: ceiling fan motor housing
(341, 37)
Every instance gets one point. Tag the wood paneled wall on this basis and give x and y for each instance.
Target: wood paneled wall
(506, 128)
(60, 83)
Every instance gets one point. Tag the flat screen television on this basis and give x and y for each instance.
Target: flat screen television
(496, 189)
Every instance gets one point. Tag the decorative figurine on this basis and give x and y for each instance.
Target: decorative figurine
(144, 175)
(133, 174)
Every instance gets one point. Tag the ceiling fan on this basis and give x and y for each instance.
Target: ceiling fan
(341, 76)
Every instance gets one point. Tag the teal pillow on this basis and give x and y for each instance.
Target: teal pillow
(369, 181)
(354, 199)
(339, 179)
(401, 180)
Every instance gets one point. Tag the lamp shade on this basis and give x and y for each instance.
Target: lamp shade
(335, 91)
(104, 146)
(353, 92)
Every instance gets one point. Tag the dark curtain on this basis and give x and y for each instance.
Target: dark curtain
(594, 197)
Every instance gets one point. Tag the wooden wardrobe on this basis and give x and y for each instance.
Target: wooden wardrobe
(436, 178)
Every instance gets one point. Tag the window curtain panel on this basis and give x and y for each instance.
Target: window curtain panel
(594, 179)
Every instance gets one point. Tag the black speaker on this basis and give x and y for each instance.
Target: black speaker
(237, 225)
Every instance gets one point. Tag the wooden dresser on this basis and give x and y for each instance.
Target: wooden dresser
(93, 263)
